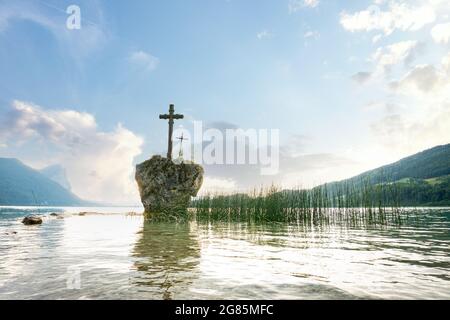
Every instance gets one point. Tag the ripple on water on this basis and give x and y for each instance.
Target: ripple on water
(122, 257)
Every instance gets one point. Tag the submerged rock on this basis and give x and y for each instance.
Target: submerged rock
(166, 187)
(30, 220)
(56, 215)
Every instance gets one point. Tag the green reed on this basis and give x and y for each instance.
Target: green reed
(353, 203)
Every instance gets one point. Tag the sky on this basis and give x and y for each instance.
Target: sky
(350, 85)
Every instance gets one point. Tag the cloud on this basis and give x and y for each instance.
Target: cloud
(221, 125)
(311, 34)
(25, 120)
(424, 78)
(218, 185)
(377, 38)
(264, 35)
(415, 112)
(388, 107)
(144, 60)
(409, 134)
(296, 5)
(361, 77)
(99, 164)
(446, 63)
(296, 145)
(441, 33)
(76, 43)
(398, 16)
(311, 3)
(386, 58)
(424, 95)
(296, 167)
(400, 52)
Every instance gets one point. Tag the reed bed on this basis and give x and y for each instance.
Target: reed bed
(361, 203)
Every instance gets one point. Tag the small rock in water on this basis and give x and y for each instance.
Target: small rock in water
(56, 215)
(31, 220)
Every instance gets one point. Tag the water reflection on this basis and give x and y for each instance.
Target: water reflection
(167, 257)
(123, 257)
(19, 246)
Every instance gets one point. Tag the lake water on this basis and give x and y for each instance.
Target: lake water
(120, 256)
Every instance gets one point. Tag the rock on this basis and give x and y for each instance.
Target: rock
(31, 220)
(57, 215)
(166, 187)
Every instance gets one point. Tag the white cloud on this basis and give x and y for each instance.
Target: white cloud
(377, 38)
(296, 5)
(77, 44)
(99, 164)
(264, 35)
(415, 113)
(311, 3)
(311, 34)
(400, 52)
(427, 80)
(424, 95)
(218, 185)
(407, 134)
(441, 33)
(399, 15)
(144, 60)
(423, 78)
(446, 63)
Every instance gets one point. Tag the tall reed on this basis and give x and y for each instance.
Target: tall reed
(355, 203)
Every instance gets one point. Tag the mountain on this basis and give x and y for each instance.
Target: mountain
(421, 179)
(58, 174)
(21, 185)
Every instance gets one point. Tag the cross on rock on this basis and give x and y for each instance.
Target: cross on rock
(171, 117)
(182, 138)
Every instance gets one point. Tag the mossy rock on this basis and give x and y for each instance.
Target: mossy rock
(166, 187)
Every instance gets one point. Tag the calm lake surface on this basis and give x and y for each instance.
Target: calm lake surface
(120, 256)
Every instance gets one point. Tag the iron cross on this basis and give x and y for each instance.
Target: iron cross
(171, 116)
(182, 138)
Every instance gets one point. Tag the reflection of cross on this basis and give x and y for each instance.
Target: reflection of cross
(171, 116)
(182, 138)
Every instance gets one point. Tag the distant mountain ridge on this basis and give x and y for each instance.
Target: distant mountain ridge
(21, 185)
(431, 163)
(58, 174)
(422, 179)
